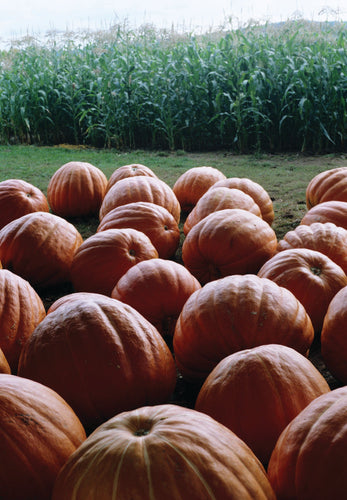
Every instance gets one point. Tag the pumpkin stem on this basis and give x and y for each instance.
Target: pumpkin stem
(316, 270)
(142, 432)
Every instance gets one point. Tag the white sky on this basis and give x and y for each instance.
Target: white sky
(34, 17)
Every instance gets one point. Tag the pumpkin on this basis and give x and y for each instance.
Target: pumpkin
(235, 313)
(70, 297)
(309, 459)
(39, 247)
(76, 189)
(311, 276)
(4, 366)
(17, 198)
(334, 336)
(229, 241)
(253, 189)
(328, 211)
(101, 356)
(257, 392)
(21, 310)
(104, 257)
(141, 188)
(38, 433)
(219, 199)
(327, 186)
(193, 183)
(131, 170)
(158, 289)
(325, 237)
(163, 451)
(154, 220)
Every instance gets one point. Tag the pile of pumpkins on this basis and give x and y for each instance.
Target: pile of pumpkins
(86, 387)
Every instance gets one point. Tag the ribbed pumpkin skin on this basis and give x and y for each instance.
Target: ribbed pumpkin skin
(253, 189)
(236, 313)
(328, 211)
(104, 257)
(21, 310)
(39, 247)
(71, 297)
(38, 433)
(101, 356)
(229, 241)
(309, 459)
(333, 336)
(131, 170)
(154, 220)
(158, 289)
(193, 183)
(257, 392)
(219, 199)
(17, 198)
(76, 189)
(4, 366)
(311, 276)
(327, 186)
(141, 188)
(325, 237)
(163, 452)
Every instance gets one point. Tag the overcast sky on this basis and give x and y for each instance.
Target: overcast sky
(21, 17)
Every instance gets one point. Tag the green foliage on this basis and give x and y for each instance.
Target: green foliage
(257, 89)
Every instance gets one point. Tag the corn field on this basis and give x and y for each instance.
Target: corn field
(262, 88)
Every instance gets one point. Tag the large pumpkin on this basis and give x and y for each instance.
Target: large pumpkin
(154, 220)
(309, 459)
(21, 310)
(327, 211)
(39, 247)
(257, 392)
(141, 188)
(229, 241)
(131, 170)
(104, 257)
(193, 183)
(101, 356)
(313, 278)
(163, 452)
(236, 313)
(326, 186)
(334, 336)
(76, 189)
(17, 198)
(38, 433)
(219, 199)
(253, 189)
(158, 289)
(325, 237)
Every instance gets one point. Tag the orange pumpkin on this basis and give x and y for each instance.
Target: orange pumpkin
(236, 313)
(39, 247)
(154, 220)
(328, 211)
(131, 170)
(17, 198)
(193, 183)
(257, 392)
(38, 433)
(104, 257)
(311, 276)
(326, 186)
(229, 241)
(219, 199)
(157, 289)
(76, 189)
(253, 189)
(163, 451)
(325, 237)
(21, 310)
(71, 297)
(101, 356)
(141, 188)
(4, 366)
(309, 459)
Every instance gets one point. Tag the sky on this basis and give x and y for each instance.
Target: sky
(36, 17)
